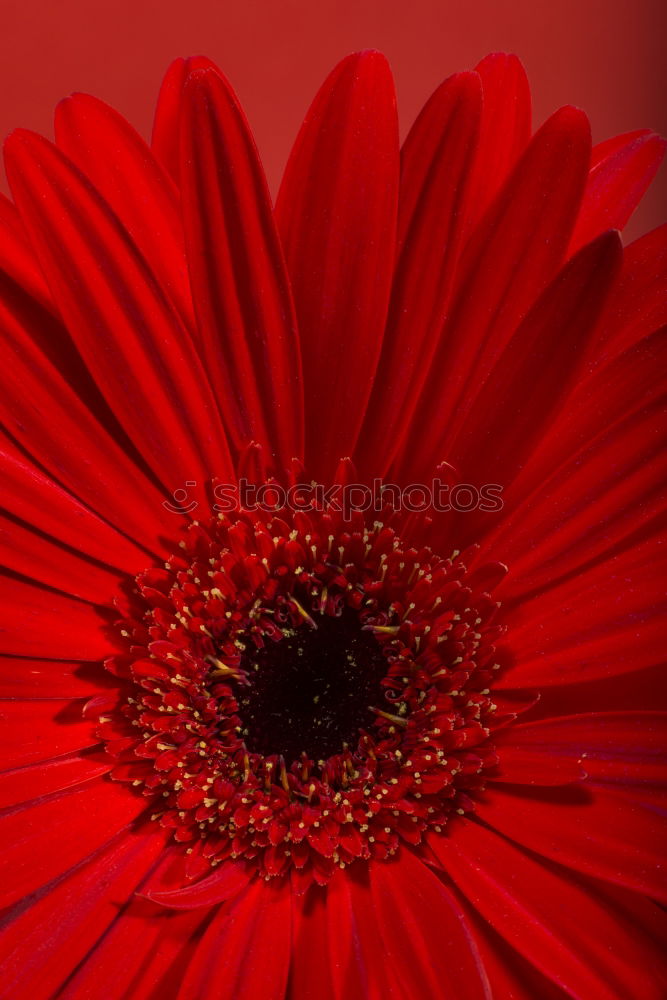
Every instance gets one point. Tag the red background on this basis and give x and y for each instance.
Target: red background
(607, 56)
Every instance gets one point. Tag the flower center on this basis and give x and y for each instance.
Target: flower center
(310, 693)
(301, 691)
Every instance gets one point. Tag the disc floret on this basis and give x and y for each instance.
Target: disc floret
(399, 645)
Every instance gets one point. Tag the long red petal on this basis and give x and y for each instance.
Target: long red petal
(336, 212)
(429, 945)
(512, 977)
(165, 141)
(532, 904)
(533, 766)
(32, 496)
(356, 950)
(142, 954)
(23, 677)
(148, 370)
(510, 258)
(122, 168)
(36, 730)
(79, 821)
(505, 133)
(596, 462)
(436, 163)
(242, 297)
(17, 260)
(594, 830)
(24, 551)
(39, 622)
(623, 747)
(245, 952)
(47, 412)
(535, 370)
(583, 512)
(311, 971)
(76, 912)
(638, 305)
(24, 784)
(577, 631)
(616, 185)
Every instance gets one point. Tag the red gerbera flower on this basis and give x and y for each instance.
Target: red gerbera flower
(299, 747)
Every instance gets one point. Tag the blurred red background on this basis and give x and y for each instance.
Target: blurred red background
(607, 56)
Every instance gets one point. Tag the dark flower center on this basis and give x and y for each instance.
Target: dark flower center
(304, 691)
(311, 692)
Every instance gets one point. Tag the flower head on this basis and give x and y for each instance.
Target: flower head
(304, 697)
(377, 726)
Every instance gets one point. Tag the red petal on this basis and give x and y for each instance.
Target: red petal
(28, 783)
(505, 128)
(535, 370)
(520, 766)
(616, 185)
(122, 168)
(16, 257)
(35, 557)
(242, 298)
(601, 695)
(584, 512)
(578, 630)
(32, 496)
(512, 977)
(591, 829)
(78, 821)
(141, 955)
(41, 623)
(166, 126)
(148, 371)
(429, 946)
(511, 257)
(624, 747)
(245, 951)
(336, 212)
(638, 305)
(77, 913)
(43, 408)
(357, 956)
(35, 730)
(598, 461)
(647, 919)
(532, 905)
(436, 162)
(34, 678)
(225, 881)
(311, 973)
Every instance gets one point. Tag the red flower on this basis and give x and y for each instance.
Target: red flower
(332, 749)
